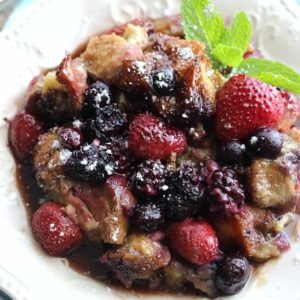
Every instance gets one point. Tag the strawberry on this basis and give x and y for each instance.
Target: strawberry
(24, 131)
(194, 240)
(244, 105)
(149, 138)
(54, 230)
(291, 111)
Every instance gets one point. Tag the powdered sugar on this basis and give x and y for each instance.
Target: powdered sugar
(64, 155)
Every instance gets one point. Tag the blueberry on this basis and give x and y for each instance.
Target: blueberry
(148, 217)
(90, 163)
(164, 81)
(232, 152)
(232, 274)
(97, 96)
(267, 142)
(71, 137)
(149, 178)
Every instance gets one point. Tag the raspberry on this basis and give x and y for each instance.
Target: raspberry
(90, 163)
(53, 229)
(182, 195)
(149, 138)
(194, 240)
(225, 193)
(149, 178)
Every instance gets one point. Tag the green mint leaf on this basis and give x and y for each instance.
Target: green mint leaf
(235, 41)
(239, 32)
(203, 22)
(228, 55)
(271, 72)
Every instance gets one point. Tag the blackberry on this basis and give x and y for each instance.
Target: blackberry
(225, 194)
(71, 137)
(232, 274)
(190, 109)
(148, 217)
(267, 142)
(90, 163)
(208, 168)
(119, 149)
(149, 178)
(183, 194)
(97, 96)
(109, 121)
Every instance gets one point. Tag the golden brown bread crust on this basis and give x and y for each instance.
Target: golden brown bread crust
(105, 54)
(253, 231)
(238, 230)
(139, 258)
(273, 183)
(48, 162)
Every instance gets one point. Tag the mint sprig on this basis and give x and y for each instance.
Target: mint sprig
(271, 72)
(235, 41)
(202, 21)
(226, 46)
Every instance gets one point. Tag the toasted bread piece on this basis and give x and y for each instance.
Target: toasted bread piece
(139, 258)
(239, 230)
(49, 158)
(272, 183)
(201, 277)
(105, 54)
(254, 231)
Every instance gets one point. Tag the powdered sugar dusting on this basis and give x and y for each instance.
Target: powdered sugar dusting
(64, 155)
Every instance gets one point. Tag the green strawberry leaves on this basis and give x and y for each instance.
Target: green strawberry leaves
(226, 46)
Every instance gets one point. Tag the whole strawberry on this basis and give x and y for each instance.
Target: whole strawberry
(54, 230)
(194, 240)
(149, 138)
(291, 111)
(24, 131)
(244, 105)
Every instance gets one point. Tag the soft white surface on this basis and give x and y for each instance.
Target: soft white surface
(39, 40)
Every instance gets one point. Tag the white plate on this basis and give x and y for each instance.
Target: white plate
(39, 39)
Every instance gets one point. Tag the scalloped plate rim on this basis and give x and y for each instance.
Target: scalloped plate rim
(30, 56)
